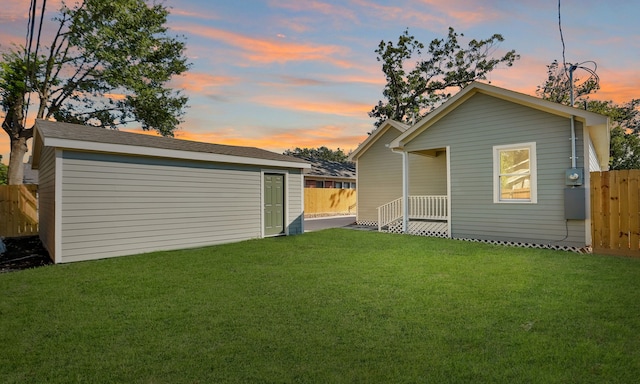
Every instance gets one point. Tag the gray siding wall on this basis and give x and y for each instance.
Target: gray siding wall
(295, 209)
(427, 175)
(471, 131)
(46, 199)
(115, 205)
(379, 173)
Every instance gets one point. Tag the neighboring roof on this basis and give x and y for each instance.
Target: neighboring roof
(336, 169)
(88, 138)
(30, 175)
(375, 135)
(597, 124)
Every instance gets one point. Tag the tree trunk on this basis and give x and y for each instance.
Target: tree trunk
(16, 160)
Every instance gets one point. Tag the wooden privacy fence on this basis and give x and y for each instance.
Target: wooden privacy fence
(329, 200)
(18, 210)
(615, 212)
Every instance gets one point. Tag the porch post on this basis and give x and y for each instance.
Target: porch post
(405, 192)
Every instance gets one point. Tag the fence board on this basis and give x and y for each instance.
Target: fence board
(623, 212)
(329, 201)
(634, 210)
(615, 211)
(18, 210)
(596, 203)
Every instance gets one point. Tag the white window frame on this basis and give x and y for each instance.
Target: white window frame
(532, 168)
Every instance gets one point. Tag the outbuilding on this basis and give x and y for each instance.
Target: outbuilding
(106, 193)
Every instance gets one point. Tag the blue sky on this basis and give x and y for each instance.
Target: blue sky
(281, 74)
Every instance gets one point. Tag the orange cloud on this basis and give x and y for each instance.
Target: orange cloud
(5, 147)
(330, 136)
(115, 96)
(619, 85)
(199, 81)
(335, 107)
(267, 51)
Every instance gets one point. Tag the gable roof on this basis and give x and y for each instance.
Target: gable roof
(598, 125)
(375, 135)
(326, 168)
(88, 138)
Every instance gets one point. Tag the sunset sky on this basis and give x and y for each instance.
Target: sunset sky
(280, 74)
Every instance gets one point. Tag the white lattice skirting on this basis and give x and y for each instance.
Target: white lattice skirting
(422, 228)
(532, 245)
(369, 223)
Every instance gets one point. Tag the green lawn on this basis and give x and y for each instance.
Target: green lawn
(335, 306)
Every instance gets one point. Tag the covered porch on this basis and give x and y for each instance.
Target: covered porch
(424, 207)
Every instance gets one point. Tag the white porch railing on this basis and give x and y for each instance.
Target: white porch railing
(420, 208)
(428, 207)
(389, 213)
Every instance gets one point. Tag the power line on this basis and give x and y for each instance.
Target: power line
(564, 62)
(31, 72)
(31, 23)
(44, 4)
(593, 76)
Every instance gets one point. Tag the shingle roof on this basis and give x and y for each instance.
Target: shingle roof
(67, 131)
(326, 168)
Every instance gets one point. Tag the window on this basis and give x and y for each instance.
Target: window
(339, 184)
(319, 184)
(514, 173)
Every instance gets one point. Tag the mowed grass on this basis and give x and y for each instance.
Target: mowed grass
(335, 306)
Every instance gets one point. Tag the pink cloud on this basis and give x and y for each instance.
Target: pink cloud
(267, 51)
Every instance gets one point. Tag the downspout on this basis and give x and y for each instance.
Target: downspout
(405, 189)
(573, 142)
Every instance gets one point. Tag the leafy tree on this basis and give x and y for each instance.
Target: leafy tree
(107, 65)
(412, 95)
(625, 150)
(625, 142)
(322, 153)
(557, 87)
(625, 118)
(3, 172)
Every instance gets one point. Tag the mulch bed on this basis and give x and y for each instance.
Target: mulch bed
(23, 253)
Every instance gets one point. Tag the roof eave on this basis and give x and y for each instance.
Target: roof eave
(373, 137)
(88, 146)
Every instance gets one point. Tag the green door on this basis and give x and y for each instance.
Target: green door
(273, 204)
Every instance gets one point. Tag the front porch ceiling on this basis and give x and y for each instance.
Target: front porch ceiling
(430, 152)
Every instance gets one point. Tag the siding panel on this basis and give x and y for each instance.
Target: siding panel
(379, 176)
(46, 199)
(116, 205)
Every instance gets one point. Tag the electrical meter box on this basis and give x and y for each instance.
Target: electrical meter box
(575, 200)
(574, 177)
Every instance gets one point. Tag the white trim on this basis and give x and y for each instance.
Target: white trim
(302, 202)
(285, 210)
(533, 169)
(405, 192)
(587, 145)
(169, 153)
(57, 203)
(448, 158)
(373, 137)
